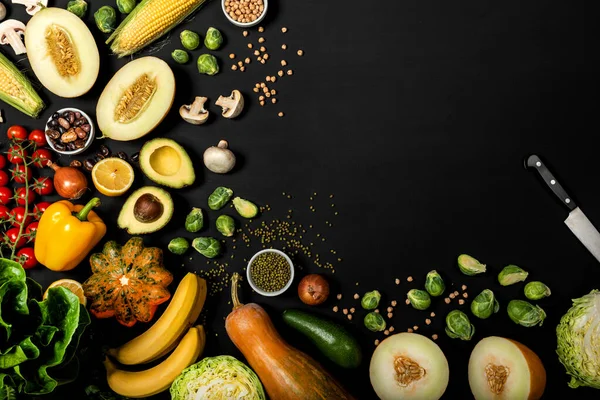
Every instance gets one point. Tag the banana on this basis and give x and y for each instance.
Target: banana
(141, 384)
(181, 313)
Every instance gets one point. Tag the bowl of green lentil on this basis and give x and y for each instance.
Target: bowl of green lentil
(270, 272)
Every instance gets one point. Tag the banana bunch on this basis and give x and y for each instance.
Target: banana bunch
(172, 333)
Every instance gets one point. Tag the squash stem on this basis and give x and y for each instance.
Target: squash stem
(83, 213)
(234, 291)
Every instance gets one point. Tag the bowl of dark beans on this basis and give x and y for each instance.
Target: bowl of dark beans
(69, 131)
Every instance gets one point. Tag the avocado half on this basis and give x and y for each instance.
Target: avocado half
(167, 163)
(128, 219)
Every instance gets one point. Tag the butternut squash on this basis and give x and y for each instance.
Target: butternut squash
(286, 372)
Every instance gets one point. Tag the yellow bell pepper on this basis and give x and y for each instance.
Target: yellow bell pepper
(67, 233)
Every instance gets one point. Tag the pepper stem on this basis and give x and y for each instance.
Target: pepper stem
(83, 213)
(234, 291)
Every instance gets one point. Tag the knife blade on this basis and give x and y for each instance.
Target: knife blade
(577, 221)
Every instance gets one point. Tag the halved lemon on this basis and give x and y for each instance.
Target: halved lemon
(70, 284)
(112, 176)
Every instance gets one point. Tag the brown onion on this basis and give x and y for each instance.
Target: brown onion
(69, 182)
(313, 289)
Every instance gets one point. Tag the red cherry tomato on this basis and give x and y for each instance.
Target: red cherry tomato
(26, 257)
(17, 133)
(43, 186)
(41, 157)
(38, 137)
(4, 213)
(18, 214)
(16, 155)
(12, 234)
(5, 195)
(31, 230)
(2, 161)
(21, 173)
(39, 209)
(4, 179)
(21, 197)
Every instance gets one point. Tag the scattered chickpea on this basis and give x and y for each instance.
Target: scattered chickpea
(261, 98)
(397, 281)
(409, 330)
(242, 68)
(240, 63)
(356, 296)
(273, 92)
(390, 309)
(263, 61)
(409, 279)
(256, 90)
(352, 310)
(335, 308)
(339, 296)
(283, 63)
(345, 311)
(350, 317)
(256, 53)
(434, 336)
(284, 46)
(280, 114)
(259, 58)
(465, 295)
(262, 103)
(300, 53)
(234, 67)
(376, 342)
(464, 287)
(263, 48)
(427, 321)
(280, 73)
(390, 315)
(265, 89)
(452, 295)
(407, 301)
(257, 85)
(283, 30)
(391, 329)
(432, 314)
(261, 40)
(386, 332)
(394, 303)
(232, 56)
(461, 302)
(268, 94)
(265, 56)
(250, 45)
(416, 327)
(268, 79)
(261, 29)
(273, 78)
(262, 85)
(247, 60)
(290, 72)
(447, 300)
(245, 33)
(273, 100)
(377, 310)
(456, 293)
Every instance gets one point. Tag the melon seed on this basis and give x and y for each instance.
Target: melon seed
(62, 51)
(134, 99)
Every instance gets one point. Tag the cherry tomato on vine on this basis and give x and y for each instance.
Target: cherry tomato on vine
(26, 257)
(41, 157)
(39, 209)
(4, 179)
(21, 173)
(2, 161)
(17, 133)
(18, 214)
(16, 154)
(12, 234)
(22, 197)
(43, 186)
(5, 195)
(4, 213)
(31, 230)
(38, 137)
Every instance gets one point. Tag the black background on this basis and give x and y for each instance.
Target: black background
(417, 116)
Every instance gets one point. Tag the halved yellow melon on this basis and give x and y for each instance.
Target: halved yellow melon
(136, 99)
(62, 52)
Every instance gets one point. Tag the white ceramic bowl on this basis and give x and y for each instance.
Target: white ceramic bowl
(89, 139)
(246, 24)
(262, 292)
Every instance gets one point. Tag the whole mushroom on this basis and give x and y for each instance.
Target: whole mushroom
(194, 113)
(32, 6)
(233, 105)
(219, 159)
(2, 11)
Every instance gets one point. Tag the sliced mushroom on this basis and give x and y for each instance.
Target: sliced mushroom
(12, 32)
(232, 105)
(32, 6)
(194, 113)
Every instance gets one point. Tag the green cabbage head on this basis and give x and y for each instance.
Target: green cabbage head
(217, 378)
(578, 336)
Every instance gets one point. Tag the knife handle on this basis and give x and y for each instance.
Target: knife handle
(534, 162)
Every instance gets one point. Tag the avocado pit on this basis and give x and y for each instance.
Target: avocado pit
(148, 208)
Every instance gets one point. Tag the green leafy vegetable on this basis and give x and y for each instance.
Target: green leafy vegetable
(219, 198)
(370, 300)
(578, 335)
(525, 314)
(207, 246)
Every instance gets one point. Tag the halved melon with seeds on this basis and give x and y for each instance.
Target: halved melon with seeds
(503, 369)
(136, 99)
(62, 52)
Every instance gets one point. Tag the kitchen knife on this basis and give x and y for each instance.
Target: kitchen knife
(577, 222)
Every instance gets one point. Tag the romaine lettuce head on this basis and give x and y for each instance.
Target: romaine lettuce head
(217, 378)
(578, 335)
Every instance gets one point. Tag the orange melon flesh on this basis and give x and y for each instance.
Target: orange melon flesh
(503, 369)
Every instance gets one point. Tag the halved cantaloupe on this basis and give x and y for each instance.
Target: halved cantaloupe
(136, 99)
(62, 52)
(503, 369)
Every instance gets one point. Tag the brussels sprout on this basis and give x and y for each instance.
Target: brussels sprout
(207, 246)
(536, 290)
(458, 325)
(511, 274)
(370, 300)
(178, 246)
(245, 208)
(485, 304)
(225, 225)
(469, 265)
(106, 19)
(207, 64)
(419, 299)
(180, 56)
(219, 198)
(126, 6)
(189, 39)
(374, 322)
(213, 39)
(194, 220)
(77, 7)
(434, 284)
(525, 313)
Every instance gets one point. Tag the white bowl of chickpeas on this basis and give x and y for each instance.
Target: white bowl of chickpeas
(245, 13)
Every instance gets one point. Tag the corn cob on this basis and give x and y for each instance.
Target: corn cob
(16, 90)
(150, 20)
